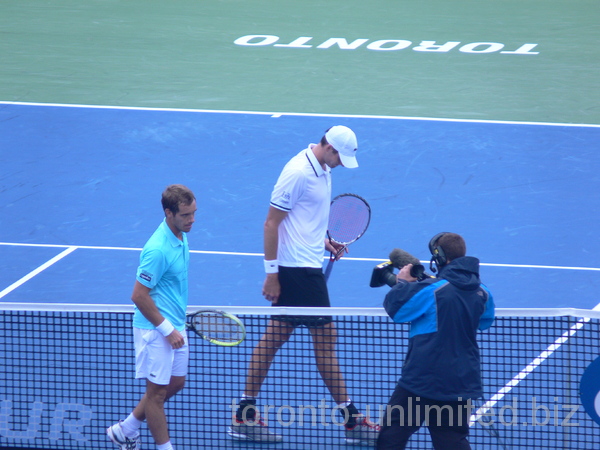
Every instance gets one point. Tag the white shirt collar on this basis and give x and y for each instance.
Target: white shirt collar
(314, 162)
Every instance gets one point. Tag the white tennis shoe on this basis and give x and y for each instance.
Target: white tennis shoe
(115, 433)
(364, 432)
(257, 432)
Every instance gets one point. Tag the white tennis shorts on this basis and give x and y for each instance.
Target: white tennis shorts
(156, 360)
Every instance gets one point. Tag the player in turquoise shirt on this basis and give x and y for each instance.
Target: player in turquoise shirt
(160, 295)
(163, 268)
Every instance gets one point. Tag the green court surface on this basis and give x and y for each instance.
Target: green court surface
(508, 60)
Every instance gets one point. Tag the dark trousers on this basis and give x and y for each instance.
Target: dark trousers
(448, 421)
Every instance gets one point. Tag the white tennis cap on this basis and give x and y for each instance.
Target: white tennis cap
(343, 140)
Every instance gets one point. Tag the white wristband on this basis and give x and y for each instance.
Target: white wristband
(271, 266)
(165, 328)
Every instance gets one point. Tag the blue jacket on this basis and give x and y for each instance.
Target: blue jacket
(443, 362)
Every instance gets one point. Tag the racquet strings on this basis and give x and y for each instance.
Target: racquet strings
(218, 327)
(348, 219)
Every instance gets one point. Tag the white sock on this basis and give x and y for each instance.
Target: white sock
(165, 446)
(131, 426)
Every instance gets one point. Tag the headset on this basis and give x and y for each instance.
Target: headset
(437, 253)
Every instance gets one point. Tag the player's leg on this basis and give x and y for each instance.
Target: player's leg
(165, 370)
(246, 422)
(324, 339)
(358, 429)
(175, 386)
(168, 370)
(276, 334)
(154, 403)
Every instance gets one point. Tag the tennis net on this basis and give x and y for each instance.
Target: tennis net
(67, 373)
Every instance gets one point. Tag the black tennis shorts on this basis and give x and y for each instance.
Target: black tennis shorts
(303, 286)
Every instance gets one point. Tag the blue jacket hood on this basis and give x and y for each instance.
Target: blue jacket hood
(462, 272)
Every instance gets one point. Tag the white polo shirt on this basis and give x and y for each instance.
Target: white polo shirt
(304, 191)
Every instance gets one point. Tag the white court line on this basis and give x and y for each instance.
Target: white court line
(280, 114)
(347, 258)
(33, 273)
(536, 362)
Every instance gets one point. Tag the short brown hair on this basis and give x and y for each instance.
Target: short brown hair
(175, 195)
(453, 244)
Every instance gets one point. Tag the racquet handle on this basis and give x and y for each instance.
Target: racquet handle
(329, 267)
(332, 259)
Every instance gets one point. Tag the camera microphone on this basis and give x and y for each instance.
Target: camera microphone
(399, 258)
(384, 273)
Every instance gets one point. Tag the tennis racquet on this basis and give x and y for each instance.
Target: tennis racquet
(349, 218)
(217, 327)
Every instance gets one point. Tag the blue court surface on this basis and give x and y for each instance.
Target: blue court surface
(80, 194)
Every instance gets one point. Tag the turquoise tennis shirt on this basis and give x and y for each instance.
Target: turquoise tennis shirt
(164, 264)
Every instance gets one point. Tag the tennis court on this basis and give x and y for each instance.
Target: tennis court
(480, 119)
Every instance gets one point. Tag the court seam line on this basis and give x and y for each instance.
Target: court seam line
(348, 258)
(277, 115)
(36, 271)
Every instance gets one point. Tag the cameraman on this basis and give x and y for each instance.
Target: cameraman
(441, 373)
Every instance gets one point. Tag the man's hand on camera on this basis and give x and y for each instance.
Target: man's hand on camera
(404, 274)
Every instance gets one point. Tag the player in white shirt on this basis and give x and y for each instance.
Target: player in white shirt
(294, 246)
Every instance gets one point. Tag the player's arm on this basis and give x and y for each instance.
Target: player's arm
(271, 287)
(142, 299)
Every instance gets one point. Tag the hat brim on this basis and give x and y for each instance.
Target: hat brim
(348, 161)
